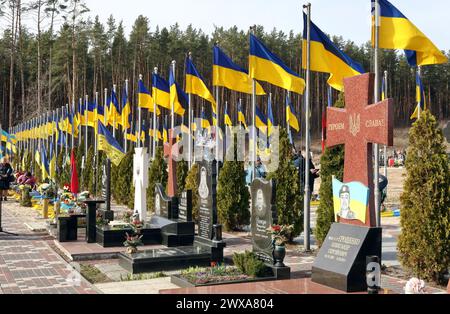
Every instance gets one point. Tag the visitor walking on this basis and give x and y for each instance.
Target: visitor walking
(6, 176)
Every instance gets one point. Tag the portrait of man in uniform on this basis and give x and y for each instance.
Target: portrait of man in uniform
(344, 196)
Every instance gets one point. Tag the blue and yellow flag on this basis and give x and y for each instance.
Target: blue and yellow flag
(266, 66)
(327, 58)
(230, 75)
(420, 98)
(108, 144)
(195, 84)
(161, 91)
(205, 121)
(270, 117)
(398, 32)
(261, 121)
(178, 97)
(114, 112)
(45, 166)
(227, 117)
(291, 117)
(241, 116)
(165, 132)
(90, 113)
(52, 163)
(126, 112)
(145, 98)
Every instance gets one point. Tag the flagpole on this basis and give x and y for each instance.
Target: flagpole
(125, 141)
(307, 204)
(139, 120)
(73, 121)
(386, 89)
(419, 112)
(254, 154)
(288, 105)
(377, 99)
(67, 131)
(86, 113)
(80, 128)
(95, 143)
(190, 123)
(174, 63)
(155, 71)
(112, 104)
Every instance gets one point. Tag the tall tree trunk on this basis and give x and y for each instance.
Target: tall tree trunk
(11, 64)
(50, 61)
(39, 57)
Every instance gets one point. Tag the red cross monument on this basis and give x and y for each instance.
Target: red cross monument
(171, 152)
(359, 126)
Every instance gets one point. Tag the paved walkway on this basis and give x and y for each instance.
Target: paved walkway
(28, 265)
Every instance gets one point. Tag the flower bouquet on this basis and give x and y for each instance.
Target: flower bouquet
(415, 286)
(132, 243)
(281, 234)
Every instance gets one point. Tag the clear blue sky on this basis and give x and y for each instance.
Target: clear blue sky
(349, 18)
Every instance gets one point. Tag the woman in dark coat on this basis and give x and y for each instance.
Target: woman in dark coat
(6, 173)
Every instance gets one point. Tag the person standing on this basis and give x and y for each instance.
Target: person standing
(6, 173)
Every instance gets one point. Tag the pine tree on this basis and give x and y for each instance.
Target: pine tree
(182, 172)
(192, 184)
(332, 164)
(289, 200)
(424, 245)
(123, 188)
(157, 174)
(233, 195)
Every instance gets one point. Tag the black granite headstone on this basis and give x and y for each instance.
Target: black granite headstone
(263, 217)
(207, 199)
(165, 206)
(341, 262)
(185, 206)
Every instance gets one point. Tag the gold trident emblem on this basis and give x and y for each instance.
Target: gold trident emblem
(355, 124)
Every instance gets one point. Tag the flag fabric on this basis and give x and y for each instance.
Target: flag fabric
(161, 91)
(230, 75)
(261, 121)
(165, 132)
(52, 162)
(178, 97)
(227, 117)
(126, 117)
(291, 117)
(266, 66)
(145, 99)
(195, 84)
(205, 122)
(420, 98)
(270, 117)
(327, 58)
(114, 112)
(91, 109)
(383, 89)
(241, 116)
(45, 165)
(108, 144)
(73, 173)
(396, 31)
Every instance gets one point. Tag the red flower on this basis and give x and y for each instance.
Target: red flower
(276, 228)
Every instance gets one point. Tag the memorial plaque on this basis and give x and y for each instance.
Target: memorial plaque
(341, 262)
(263, 217)
(163, 204)
(104, 181)
(207, 198)
(185, 206)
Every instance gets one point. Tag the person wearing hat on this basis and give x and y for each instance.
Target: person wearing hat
(6, 173)
(344, 196)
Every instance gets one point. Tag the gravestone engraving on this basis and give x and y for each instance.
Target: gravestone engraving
(263, 217)
(207, 199)
(185, 206)
(163, 204)
(104, 181)
(341, 261)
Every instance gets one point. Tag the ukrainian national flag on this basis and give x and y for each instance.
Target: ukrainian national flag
(205, 121)
(45, 166)
(178, 97)
(72, 126)
(161, 92)
(145, 99)
(227, 117)
(420, 98)
(261, 121)
(397, 32)
(195, 84)
(108, 144)
(241, 116)
(327, 58)
(270, 117)
(52, 164)
(228, 74)
(291, 117)
(266, 66)
(114, 112)
(126, 111)
(165, 132)
(91, 109)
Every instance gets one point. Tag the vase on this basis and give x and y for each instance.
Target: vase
(279, 253)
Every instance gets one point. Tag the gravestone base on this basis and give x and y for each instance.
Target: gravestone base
(174, 232)
(215, 248)
(109, 237)
(164, 259)
(281, 273)
(341, 262)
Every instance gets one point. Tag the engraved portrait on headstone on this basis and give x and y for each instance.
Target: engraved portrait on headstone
(158, 205)
(203, 190)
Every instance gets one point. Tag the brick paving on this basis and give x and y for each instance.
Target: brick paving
(28, 265)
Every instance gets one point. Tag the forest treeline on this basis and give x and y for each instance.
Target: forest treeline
(62, 54)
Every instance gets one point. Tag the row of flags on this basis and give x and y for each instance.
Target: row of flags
(395, 32)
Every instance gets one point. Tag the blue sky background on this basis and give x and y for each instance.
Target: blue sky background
(349, 18)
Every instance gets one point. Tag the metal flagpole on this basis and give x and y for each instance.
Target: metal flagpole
(73, 120)
(377, 99)
(386, 89)
(190, 124)
(419, 110)
(307, 204)
(112, 104)
(288, 104)
(125, 141)
(95, 143)
(86, 112)
(57, 135)
(139, 127)
(80, 128)
(155, 71)
(254, 155)
(174, 64)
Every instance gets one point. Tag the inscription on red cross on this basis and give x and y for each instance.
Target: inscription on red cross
(171, 152)
(359, 126)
